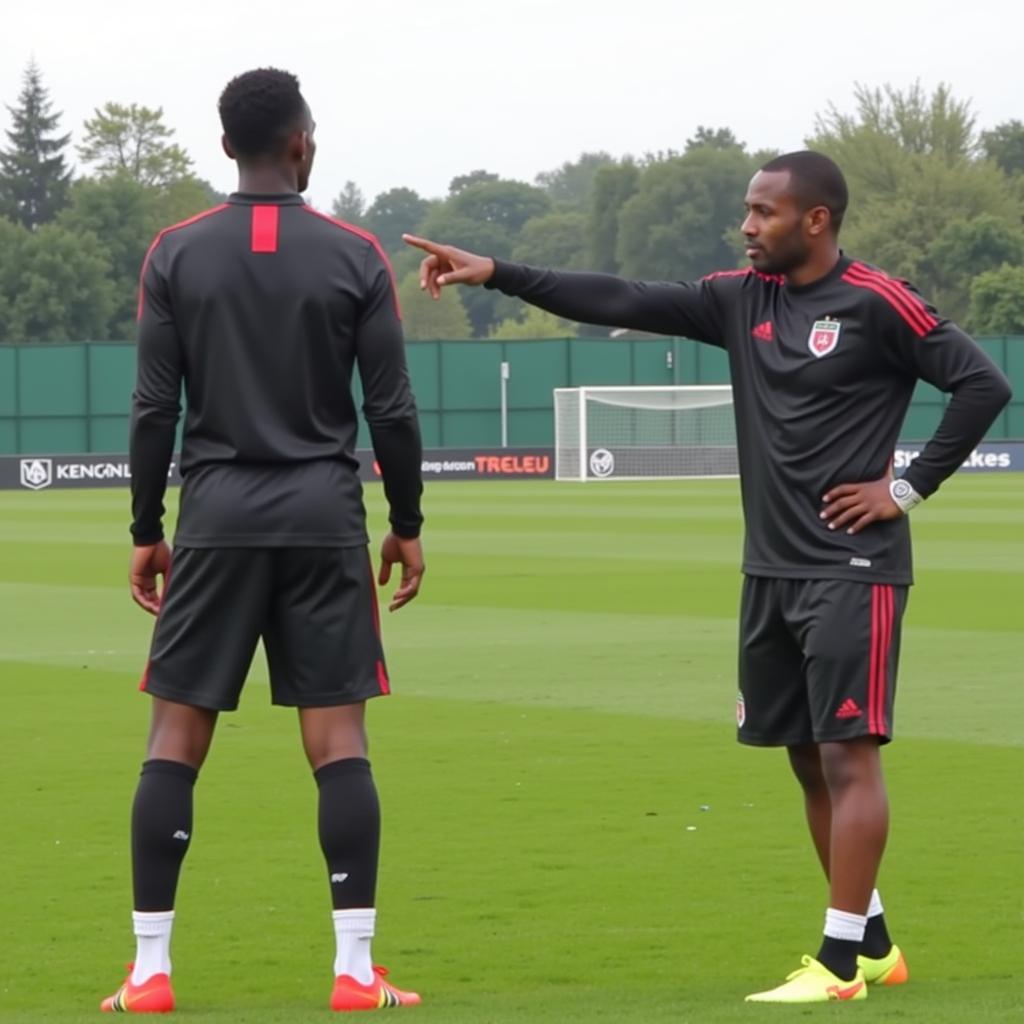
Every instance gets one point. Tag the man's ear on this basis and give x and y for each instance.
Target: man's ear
(227, 147)
(297, 147)
(819, 220)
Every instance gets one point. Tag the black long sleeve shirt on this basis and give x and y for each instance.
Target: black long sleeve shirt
(822, 376)
(263, 308)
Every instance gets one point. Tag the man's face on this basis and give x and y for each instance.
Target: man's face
(774, 227)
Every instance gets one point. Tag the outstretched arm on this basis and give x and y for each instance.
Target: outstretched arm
(661, 307)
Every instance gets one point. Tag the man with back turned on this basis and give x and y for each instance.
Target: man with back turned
(262, 309)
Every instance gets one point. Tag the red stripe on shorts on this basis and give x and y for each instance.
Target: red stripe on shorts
(163, 597)
(382, 674)
(889, 614)
(881, 641)
(873, 670)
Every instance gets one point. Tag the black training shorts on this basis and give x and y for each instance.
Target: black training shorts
(817, 660)
(314, 608)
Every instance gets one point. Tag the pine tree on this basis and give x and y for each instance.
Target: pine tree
(34, 178)
(350, 206)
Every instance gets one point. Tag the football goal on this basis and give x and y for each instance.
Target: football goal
(644, 433)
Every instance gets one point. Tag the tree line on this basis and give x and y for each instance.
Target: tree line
(935, 199)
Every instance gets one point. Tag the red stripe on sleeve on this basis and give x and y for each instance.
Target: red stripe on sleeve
(904, 301)
(142, 275)
(156, 242)
(264, 228)
(373, 240)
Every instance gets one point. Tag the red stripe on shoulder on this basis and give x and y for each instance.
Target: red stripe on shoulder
(745, 272)
(368, 237)
(167, 231)
(915, 321)
(900, 288)
(896, 293)
(727, 273)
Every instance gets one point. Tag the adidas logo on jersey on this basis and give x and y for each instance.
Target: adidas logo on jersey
(849, 709)
(763, 332)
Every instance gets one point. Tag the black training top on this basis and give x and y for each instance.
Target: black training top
(263, 307)
(822, 375)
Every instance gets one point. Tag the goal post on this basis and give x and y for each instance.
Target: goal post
(644, 433)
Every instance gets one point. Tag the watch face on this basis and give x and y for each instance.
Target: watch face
(901, 489)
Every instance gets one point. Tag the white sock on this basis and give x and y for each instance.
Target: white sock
(354, 931)
(841, 924)
(152, 944)
(875, 906)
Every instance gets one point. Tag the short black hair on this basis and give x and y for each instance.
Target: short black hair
(259, 110)
(815, 180)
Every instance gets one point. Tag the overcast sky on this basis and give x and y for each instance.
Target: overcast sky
(411, 92)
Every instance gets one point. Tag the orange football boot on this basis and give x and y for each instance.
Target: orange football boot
(154, 995)
(349, 994)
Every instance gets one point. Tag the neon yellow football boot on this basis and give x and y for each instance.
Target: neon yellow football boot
(813, 983)
(890, 969)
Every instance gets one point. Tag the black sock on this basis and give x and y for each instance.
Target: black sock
(839, 956)
(349, 831)
(876, 942)
(161, 832)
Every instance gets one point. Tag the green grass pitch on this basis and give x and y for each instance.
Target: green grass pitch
(571, 831)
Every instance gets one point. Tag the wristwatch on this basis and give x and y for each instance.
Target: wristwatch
(904, 495)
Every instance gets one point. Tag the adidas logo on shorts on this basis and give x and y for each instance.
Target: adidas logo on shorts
(849, 709)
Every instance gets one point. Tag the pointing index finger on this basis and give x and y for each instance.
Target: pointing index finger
(425, 244)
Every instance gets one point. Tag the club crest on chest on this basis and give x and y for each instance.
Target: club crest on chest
(824, 337)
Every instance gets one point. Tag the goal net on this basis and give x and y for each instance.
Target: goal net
(644, 433)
